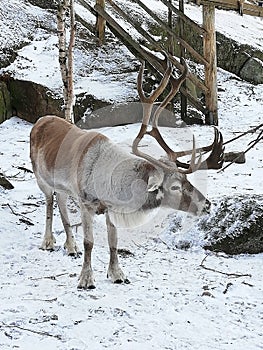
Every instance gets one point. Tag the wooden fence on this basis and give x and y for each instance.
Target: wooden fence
(206, 31)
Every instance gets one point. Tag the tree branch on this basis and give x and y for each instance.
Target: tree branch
(57, 336)
(221, 272)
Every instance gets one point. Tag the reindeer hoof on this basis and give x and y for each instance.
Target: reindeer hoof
(48, 244)
(120, 281)
(92, 286)
(75, 255)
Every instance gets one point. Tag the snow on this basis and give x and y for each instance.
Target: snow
(172, 302)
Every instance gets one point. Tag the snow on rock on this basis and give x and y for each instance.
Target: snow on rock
(235, 226)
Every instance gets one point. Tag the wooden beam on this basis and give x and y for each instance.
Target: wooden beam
(183, 96)
(101, 23)
(193, 101)
(211, 70)
(248, 9)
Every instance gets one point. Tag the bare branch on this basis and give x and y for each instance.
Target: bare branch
(57, 336)
(237, 275)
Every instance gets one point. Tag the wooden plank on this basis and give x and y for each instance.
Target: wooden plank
(193, 101)
(248, 9)
(196, 27)
(211, 71)
(182, 57)
(88, 7)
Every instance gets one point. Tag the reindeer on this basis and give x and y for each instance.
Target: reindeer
(105, 179)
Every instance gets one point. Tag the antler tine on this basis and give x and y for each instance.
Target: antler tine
(147, 102)
(216, 157)
(193, 166)
(160, 88)
(175, 86)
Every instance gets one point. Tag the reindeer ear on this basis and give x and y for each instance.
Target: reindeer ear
(154, 182)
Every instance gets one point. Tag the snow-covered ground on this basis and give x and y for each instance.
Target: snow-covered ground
(172, 301)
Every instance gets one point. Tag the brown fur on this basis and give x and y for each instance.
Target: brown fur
(49, 134)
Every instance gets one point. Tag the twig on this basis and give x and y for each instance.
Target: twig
(54, 277)
(163, 242)
(57, 336)
(46, 300)
(137, 244)
(23, 218)
(76, 226)
(25, 169)
(248, 149)
(243, 134)
(257, 139)
(221, 272)
(227, 287)
(25, 221)
(31, 204)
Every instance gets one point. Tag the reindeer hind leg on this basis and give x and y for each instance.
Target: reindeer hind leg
(70, 244)
(49, 239)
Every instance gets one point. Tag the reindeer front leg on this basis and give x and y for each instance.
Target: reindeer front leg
(86, 276)
(114, 270)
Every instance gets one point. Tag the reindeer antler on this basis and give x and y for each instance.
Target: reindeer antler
(215, 159)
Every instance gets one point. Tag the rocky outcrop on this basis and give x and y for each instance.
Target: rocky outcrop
(242, 60)
(45, 4)
(235, 226)
(30, 100)
(5, 102)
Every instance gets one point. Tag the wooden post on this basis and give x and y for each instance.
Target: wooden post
(211, 117)
(170, 37)
(100, 23)
(182, 55)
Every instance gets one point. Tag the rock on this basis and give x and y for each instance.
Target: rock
(235, 157)
(45, 4)
(252, 71)
(30, 100)
(5, 183)
(235, 226)
(5, 102)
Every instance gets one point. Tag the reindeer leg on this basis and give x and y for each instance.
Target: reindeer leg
(114, 270)
(70, 244)
(49, 240)
(86, 276)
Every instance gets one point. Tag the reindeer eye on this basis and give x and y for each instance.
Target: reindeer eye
(175, 188)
